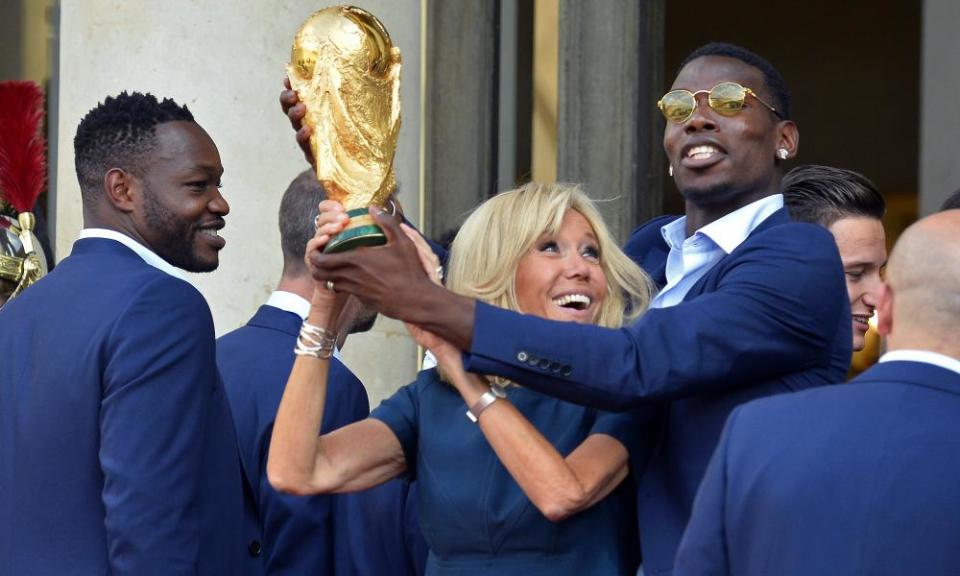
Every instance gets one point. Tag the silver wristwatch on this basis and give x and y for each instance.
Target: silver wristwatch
(489, 397)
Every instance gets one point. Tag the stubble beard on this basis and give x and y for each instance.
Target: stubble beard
(177, 238)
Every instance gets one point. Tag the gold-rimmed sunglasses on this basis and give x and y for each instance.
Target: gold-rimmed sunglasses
(726, 98)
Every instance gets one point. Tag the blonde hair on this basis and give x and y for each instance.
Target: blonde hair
(499, 233)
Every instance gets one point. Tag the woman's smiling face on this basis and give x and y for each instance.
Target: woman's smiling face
(560, 278)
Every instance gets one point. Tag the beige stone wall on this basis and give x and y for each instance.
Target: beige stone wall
(226, 61)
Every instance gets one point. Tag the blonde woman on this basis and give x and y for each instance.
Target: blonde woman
(509, 481)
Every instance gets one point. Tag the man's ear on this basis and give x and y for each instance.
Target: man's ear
(885, 310)
(789, 138)
(121, 188)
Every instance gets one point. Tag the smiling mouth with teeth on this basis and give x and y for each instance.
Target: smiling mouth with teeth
(573, 301)
(212, 232)
(701, 152)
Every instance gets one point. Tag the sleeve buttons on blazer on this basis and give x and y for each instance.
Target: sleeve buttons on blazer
(544, 364)
(555, 367)
(254, 548)
(533, 360)
(522, 356)
(567, 371)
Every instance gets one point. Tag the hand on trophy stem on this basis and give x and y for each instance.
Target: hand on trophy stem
(295, 111)
(331, 220)
(327, 303)
(391, 279)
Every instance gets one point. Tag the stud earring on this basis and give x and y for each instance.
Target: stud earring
(670, 170)
(782, 153)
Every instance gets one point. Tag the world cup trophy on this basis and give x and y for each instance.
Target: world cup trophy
(346, 71)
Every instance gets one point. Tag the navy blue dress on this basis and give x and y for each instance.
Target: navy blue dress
(474, 516)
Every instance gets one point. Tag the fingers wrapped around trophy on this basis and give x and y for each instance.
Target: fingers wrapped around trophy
(346, 72)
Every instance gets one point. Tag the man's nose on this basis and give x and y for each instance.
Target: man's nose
(703, 116)
(219, 204)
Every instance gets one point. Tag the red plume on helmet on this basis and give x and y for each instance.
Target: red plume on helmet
(22, 146)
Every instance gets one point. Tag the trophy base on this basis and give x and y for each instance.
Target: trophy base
(360, 232)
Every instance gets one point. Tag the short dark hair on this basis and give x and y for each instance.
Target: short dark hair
(120, 133)
(298, 209)
(952, 202)
(824, 194)
(774, 81)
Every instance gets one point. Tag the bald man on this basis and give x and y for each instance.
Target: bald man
(858, 479)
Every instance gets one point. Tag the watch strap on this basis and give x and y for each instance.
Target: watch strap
(484, 402)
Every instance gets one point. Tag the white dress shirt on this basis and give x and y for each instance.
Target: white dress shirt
(148, 255)
(691, 258)
(289, 302)
(924, 356)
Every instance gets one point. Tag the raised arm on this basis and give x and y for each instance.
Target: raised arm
(776, 310)
(355, 457)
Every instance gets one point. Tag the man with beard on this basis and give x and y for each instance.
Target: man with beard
(117, 449)
(371, 532)
(751, 303)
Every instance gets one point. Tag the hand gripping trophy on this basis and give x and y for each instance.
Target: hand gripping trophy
(346, 71)
(22, 176)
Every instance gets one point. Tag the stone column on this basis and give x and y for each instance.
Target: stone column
(609, 133)
(939, 114)
(461, 96)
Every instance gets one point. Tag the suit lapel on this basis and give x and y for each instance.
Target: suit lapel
(781, 216)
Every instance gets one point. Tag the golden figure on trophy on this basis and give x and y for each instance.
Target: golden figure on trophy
(346, 71)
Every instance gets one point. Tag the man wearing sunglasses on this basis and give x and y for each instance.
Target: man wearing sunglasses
(752, 304)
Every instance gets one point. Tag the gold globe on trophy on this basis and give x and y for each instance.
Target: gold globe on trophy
(346, 71)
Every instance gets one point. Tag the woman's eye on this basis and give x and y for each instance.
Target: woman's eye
(548, 246)
(591, 252)
(854, 274)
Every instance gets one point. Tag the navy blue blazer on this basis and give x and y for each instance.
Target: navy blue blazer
(290, 534)
(771, 317)
(855, 479)
(117, 450)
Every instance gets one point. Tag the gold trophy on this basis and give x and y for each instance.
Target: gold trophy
(346, 71)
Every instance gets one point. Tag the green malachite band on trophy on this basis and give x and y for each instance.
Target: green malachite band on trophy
(361, 232)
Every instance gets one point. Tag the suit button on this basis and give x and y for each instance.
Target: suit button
(567, 370)
(555, 367)
(522, 356)
(533, 360)
(254, 548)
(544, 364)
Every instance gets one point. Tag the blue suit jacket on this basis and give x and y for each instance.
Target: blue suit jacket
(117, 450)
(855, 479)
(770, 317)
(290, 534)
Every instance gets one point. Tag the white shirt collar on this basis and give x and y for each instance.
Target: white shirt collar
(148, 256)
(924, 356)
(729, 231)
(289, 302)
